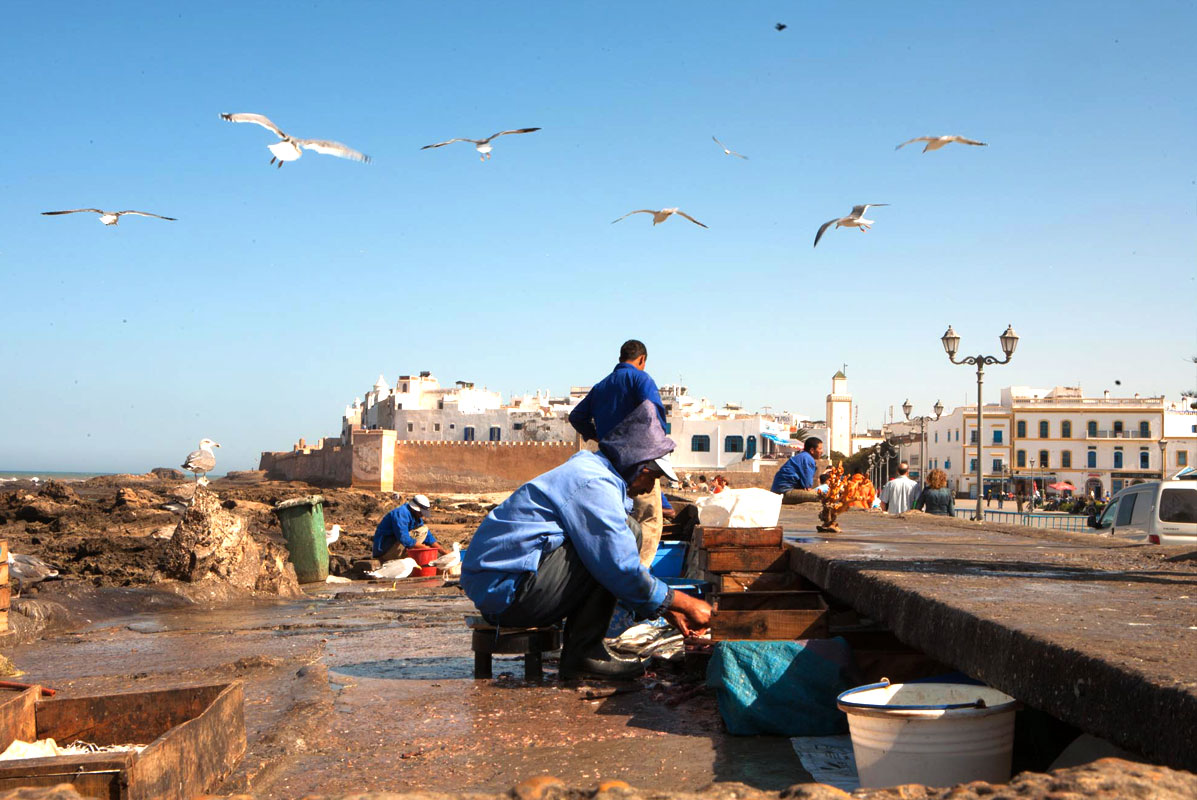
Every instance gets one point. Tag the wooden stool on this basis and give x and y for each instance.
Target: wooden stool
(532, 643)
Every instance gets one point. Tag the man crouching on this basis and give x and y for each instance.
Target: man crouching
(561, 548)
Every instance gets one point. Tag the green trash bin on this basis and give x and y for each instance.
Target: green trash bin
(303, 528)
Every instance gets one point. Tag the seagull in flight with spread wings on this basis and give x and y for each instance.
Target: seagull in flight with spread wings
(483, 146)
(108, 217)
(660, 216)
(936, 142)
(729, 152)
(292, 147)
(855, 219)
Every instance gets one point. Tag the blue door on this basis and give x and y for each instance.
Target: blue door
(751, 451)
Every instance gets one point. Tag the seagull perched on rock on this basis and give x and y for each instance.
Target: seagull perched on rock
(201, 461)
(855, 219)
(27, 571)
(483, 146)
(936, 142)
(108, 217)
(291, 147)
(729, 152)
(660, 216)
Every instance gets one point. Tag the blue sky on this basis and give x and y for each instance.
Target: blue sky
(279, 295)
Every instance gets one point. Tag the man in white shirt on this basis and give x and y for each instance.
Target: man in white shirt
(900, 494)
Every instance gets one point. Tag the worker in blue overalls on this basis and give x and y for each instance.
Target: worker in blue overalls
(404, 527)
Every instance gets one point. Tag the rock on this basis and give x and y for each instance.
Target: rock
(276, 574)
(210, 543)
(57, 490)
(168, 473)
(127, 497)
(542, 787)
(814, 791)
(36, 508)
(8, 669)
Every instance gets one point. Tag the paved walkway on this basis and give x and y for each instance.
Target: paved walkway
(1096, 632)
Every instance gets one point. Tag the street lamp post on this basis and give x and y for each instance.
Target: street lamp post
(922, 421)
(951, 343)
(1163, 459)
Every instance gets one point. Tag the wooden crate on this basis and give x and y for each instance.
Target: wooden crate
(769, 615)
(760, 582)
(747, 559)
(741, 537)
(5, 591)
(194, 735)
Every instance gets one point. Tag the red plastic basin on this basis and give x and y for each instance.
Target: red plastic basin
(422, 555)
(425, 572)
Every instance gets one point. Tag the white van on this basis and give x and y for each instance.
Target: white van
(1157, 512)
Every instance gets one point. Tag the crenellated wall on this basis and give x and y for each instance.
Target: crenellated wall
(330, 464)
(474, 466)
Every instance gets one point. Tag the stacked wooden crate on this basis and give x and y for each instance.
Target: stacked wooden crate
(5, 592)
(756, 594)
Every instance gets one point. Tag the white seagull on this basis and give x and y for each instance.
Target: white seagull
(108, 217)
(855, 219)
(394, 570)
(27, 571)
(936, 142)
(729, 152)
(449, 561)
(331, 536)
(291, 147)
(660, 216)
(202, 461)
(483, 146)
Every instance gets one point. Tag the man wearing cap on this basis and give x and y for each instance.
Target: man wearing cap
(404, 527)
(606, 405)
(562, 547)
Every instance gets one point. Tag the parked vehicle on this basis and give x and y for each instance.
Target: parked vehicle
(1157, 512)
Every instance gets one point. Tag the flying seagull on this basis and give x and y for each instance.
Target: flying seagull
(481, 145)
(936, 142)
(660, 216)
(855, 219)
(108, 217)
(201, 461)
(291, 147)
(781, 26)
(729, 152)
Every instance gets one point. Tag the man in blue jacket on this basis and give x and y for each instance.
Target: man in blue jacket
(404, 527)
(606, 405)
(562, 547)
(797, 476)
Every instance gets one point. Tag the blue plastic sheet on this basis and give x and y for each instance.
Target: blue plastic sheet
(782, 688)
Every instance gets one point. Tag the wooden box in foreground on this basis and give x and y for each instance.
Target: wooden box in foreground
(769, 615)
(760, 582)
(747, 559)
(741, 537)
(194, 735)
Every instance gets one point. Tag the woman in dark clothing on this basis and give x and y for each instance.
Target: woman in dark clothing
(937, 497)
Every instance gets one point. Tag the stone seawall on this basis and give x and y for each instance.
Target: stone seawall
(474, 466)
(331, 465)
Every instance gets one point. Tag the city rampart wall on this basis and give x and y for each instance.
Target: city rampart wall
(473, 466)
(330, 465)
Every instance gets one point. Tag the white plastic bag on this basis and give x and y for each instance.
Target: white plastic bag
(740, 508)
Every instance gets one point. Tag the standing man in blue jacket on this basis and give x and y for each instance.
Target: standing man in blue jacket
(796, 477)
(609, 403)
(561, 547)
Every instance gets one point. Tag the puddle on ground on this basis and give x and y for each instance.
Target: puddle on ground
(417, 669)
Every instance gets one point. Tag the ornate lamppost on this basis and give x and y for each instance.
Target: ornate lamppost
(951, 343)
(922, 421)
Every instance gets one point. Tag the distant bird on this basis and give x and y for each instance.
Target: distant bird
(202, 461)
(781, 26)
(855, 219)
(729, 152)
(1117, 383)
(936, 142)
(108, 217)
(28, 571)
(394, 570)
(483, 146)
(660, 216)
(291, 147)
(331, 536)
(449, 561)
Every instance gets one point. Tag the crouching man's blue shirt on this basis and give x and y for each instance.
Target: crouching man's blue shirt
(797, 473)
(397, 525)
(585, 501)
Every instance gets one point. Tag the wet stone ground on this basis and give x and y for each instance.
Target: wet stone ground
(370, 686)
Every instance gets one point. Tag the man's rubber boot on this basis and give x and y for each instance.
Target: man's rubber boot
(603, 664)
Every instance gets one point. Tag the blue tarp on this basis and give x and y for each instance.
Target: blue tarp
(781, 688)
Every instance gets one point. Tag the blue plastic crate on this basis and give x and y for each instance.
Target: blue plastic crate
(670, 560)
(698, 588)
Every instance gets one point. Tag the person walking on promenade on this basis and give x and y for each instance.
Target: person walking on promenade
(606, 405)
(900, 494)
(937, 498)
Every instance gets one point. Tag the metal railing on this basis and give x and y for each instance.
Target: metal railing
(1117, 435)
(1058, 522)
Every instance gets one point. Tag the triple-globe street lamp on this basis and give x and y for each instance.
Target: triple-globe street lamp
(922, 421)
(951, 344)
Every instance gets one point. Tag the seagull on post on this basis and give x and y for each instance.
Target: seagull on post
(660, 216)
(855, 219)
(483, 146)
(729, 152)
(291, 147)
(202, 461)
(936, 142)
(108, 217)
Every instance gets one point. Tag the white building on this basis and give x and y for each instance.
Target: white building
(1098, 444)
(717, 439)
